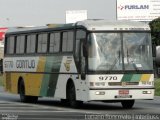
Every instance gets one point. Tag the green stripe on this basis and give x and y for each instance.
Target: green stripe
(136, 78)
(44, 85)
(127, 78)
(45, 80)
(54, 77)
(49, 82)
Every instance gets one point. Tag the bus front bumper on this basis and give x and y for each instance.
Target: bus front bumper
(121, 94)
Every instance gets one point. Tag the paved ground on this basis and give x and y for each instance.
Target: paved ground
(49, 109)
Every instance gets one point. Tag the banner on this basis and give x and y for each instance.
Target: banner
(72, 16)
(138, 10)
(2, 33)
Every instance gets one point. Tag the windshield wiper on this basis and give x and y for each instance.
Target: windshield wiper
(127, 56)
(135, 67)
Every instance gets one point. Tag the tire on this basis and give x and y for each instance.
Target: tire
(71, 96)
(65, 102)
(24, 98)
(127, 104)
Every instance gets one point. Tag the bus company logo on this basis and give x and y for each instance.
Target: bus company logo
(67, 65)
(131, 7)
(121, 7)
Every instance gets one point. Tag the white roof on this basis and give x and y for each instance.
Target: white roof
(113, 25)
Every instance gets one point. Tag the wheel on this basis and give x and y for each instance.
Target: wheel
(65, 102)
(23, 97)
(127, 104)
(32, 99)
(22, 92)
(71, 96)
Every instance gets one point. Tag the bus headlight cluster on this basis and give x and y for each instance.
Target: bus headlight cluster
(100, 93)
(147, 92)
(97, 84)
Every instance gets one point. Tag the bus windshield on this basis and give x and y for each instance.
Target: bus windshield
(119, 51)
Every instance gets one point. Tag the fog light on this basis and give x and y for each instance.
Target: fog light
(100, 93)
(147, 92)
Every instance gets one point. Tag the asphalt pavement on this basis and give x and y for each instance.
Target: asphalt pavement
(50, 109)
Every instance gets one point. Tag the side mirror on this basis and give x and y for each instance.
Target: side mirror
(157, 56)
(84, 51)
(84, 47)
(83, 68)
(154, 50)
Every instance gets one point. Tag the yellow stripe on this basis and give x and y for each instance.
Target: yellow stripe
(34, 81)
(145, 77)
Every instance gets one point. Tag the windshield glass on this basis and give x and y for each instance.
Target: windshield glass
(105, 51)
(137, 51)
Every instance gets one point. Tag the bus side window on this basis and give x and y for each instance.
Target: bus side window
(31, 43)
(67, 42)
(20, 44)
(10, 43)
(42, 43)
(54, 42)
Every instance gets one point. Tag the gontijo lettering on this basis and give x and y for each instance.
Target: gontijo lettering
(25, 64)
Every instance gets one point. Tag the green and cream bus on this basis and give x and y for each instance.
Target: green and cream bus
(91, 60)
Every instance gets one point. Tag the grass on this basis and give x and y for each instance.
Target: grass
(157, 87)
(1, 80)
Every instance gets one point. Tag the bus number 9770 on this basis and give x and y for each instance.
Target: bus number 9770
(108, 78)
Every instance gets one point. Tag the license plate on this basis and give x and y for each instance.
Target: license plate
(123, 92)
(123, 96)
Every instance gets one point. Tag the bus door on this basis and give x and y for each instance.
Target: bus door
(83, 56)
(80, 54)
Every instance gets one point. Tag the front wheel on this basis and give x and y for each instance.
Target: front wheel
(71, 96)
(127, 104)
(65, 102)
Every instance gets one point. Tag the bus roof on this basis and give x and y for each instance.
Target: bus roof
(113, 25)
(91, 25)
(24, 30)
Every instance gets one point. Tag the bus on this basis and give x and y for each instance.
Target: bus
(90, 60)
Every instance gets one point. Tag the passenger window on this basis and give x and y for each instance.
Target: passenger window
(31, 43)
(10, 45)
(67, 42)
(42, 43)
(54, 42)
(20, 44)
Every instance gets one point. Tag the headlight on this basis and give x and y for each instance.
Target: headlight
(100, 93)
(147, 92)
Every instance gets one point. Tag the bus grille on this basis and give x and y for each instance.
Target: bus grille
(122, 83)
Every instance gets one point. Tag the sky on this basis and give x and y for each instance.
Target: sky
(41, 12)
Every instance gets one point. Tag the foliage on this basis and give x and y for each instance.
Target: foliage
(157, 87)
(155, 31)
(1, 80)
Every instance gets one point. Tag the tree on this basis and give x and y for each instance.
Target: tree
(155, 31)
